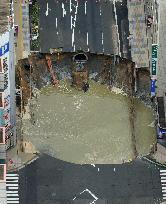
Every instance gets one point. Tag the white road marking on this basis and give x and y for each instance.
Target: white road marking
(114, 169)
(102, 38)
(93, 195)
(56, 22)
(71, 21)
(12, 199)
(163, 170)
(11, 175)
(15, 178)
(12, 195)
(11, 184)
(98, 169)
(13, 202)
(12, 192)
(70, 7)
(85, 7)
(74, 198)
(87, 38)
(73, 38)
(46, 13)
(163, 182)
(163, 174)
(10, 188)
(14, 181)
(64, 11)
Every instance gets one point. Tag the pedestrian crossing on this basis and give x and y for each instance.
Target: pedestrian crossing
(12, 188)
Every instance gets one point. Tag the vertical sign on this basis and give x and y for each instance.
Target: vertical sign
(154, 59)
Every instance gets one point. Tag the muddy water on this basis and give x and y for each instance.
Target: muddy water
(90, 127)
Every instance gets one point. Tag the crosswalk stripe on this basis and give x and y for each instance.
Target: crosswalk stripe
(12, 195)
(12, 175)
(11, 178)
(12, 188)
(163, 174)
(12, 192)
(13, 202)
(11, 184)
(12, 199)
(12, 181)
(163, 181)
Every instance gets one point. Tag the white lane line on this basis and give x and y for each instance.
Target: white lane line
(71, 21)
(64, 11)
(87, 39)
(56, 22)
(85, 7)
(74, 48)
(70, 7)
(12, 202)
(72, 37)
(46, 13)
(102, 38)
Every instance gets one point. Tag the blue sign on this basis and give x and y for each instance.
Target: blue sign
(153, 88)
(162, 131)
(4, 49)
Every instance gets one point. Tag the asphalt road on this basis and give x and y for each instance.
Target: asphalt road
(51, 181)
(76, 25)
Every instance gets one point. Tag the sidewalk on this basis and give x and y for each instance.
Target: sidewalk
(16, 159)
(21, 18)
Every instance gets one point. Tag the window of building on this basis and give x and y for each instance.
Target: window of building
(2, 135)
(1, 99)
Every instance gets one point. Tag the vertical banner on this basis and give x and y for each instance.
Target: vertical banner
(153, 88)
(154, 60)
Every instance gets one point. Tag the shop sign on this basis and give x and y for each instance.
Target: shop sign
(154, 51)
(154, 66)
(4, 49)
(153, 87)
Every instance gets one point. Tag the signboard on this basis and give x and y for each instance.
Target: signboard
(154, 59)
(154, 66)
(153, 88)
(4, 49)
(154, 50)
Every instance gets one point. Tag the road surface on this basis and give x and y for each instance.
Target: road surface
(52, 181)
(76, 25)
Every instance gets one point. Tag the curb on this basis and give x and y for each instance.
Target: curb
(23, 165)
(153, 162)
